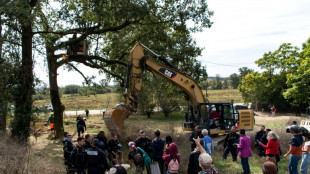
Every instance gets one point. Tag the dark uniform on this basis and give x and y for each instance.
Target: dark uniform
(229, 145)
(96, 161)
(139, 164)
(80, 125)
(114, 146)
(78, 159)
(87, 145)
(194, 133)
(258, 137)
(68, 148)
(103, 143)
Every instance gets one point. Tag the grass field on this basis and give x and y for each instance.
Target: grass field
(45, 155)
(108, 100)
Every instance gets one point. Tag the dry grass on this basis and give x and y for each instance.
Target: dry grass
(224, 95)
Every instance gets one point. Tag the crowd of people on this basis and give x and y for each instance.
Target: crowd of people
(94, 155)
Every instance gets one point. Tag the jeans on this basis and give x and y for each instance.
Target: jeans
(245, 165)
(305, 163)
(161, 164)
(233, 151)
(292, 165)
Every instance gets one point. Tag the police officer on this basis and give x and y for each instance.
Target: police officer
(78, 156)
(96, 160)
(68, 147)
(114, 148)
(230, 144)
(195, 134)
(145, 143)
(87, 145)
(258, 138)
(103, 142)
(80, 125)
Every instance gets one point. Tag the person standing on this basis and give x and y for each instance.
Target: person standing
(113, 148)
(205, 160)
(103, 142)
(195, 134)
(87, 145)
(297, 110)
(68, 147)
(273, 146)
(273, 111)
(87, 112)
(295, 150)
(208, 141)
(230, 144)
(158, 146)
(308, 111)
(96, 160)
(304, 167)
(172, 160)
(51, 122)
(145, 143)
(193, 162)
(245, 151)
(80, 125)
(78, 157)
(259, 137)
(135, 157)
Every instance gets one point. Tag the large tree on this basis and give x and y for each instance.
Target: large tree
(113, 27)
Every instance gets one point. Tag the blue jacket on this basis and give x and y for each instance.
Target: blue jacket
(158, 149)
(209, 142)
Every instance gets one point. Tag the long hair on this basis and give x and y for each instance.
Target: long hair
(272, 136)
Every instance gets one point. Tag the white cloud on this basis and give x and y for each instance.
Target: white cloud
(244, 30)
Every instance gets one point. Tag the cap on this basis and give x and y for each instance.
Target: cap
(131, 143)
(205, 158)
(142, 131)
(294, 128)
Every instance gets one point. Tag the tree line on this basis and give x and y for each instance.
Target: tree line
(284, 80)
(34, 28)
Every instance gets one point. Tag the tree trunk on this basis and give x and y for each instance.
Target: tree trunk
(54, 94)
(24, 91)
(3, 103)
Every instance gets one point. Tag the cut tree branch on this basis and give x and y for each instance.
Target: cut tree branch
(76, 69)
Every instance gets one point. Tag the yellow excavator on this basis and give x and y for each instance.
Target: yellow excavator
(200, 111)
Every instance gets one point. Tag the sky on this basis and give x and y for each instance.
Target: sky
(242, 31)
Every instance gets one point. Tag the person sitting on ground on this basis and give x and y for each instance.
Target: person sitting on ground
(114, 148)
(158, 146)
(208, 141)
(172, 160)
(205, 160)
(135, 157)
(196, 133)
(272, 147)
(80, 125)
(87, 145)
(78, 157)
(118, 168)
(269, 167)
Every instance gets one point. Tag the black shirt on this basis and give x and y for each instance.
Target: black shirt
(231, 138)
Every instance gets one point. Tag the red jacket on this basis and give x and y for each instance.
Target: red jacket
(272, 147)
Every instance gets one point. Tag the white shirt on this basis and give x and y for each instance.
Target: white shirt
(305, 146)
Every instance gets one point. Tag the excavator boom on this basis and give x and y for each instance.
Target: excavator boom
(138, 62)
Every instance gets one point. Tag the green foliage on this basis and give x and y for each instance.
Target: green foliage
(72, 89)
(234, 80)
(245, 71)
(284, 81)
(216, 83)
(147, 97)
(225, 84)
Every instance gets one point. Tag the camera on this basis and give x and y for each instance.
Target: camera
(300, 130)
(195, 135)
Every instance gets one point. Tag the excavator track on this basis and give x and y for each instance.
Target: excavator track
(114, 120)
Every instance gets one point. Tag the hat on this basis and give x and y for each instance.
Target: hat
(131, 143)
(205, 158)
(294, 128)
(142, 131)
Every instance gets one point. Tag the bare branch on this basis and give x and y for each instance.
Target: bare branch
(76, 69)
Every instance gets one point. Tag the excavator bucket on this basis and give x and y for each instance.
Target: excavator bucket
(114, 120)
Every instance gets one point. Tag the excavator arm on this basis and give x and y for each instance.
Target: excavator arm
(137, 64)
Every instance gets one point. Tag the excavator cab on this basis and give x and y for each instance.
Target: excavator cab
(220, 117)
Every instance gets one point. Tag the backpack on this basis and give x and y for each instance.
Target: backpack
(212, 170)
(146, 158)
(120, 170)
(137, 158)
(173, 165)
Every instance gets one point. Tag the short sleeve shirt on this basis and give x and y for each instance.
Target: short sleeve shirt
(296, 145)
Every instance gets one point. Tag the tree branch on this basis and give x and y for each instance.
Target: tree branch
(76, 69)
